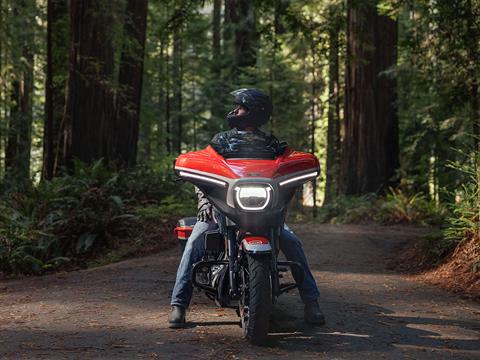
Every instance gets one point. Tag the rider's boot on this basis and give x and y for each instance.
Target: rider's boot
(313, 314)
(176, 319)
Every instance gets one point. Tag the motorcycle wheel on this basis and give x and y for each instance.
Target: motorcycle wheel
(256, 303)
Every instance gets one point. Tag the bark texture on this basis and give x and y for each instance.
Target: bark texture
(57, 73)
(370, 154)
(240, 24)
(333, 131)
(130, 83)
(89, 115)
(177, 74)
(245, 34)
(216, 90)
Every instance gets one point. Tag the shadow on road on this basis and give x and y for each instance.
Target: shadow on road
(376, 329)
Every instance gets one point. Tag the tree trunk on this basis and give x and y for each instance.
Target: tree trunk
(57, 72)
(245, 34)
(216, 93)
(17, 153)
(2, 90)
(11, 148)
(130, 84)
(168, 113)
(26, 110)
(216, 50)
(161, 97)
(370, 155)
(313, 118)
(89, 115)
(240, 22)
(228, 17)
(333, 131)
(177, 74)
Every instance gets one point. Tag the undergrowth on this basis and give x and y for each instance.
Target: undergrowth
(463, 223)
(75, 218)
(394, 208)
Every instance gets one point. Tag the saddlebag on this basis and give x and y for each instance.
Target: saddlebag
(183, 230)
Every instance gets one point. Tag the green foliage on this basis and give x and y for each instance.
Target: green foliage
(395, 207)
(438, 76)
(75, 217)
(400, 207)
(464, 222)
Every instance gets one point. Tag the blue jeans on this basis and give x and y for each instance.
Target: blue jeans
(289, 244)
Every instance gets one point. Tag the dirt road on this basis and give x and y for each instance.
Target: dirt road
(119, 311)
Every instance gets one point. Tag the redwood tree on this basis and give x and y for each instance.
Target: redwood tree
(130, 83)
(89, 115)
(245, 34)
(333, 131)
(370, 149)
(240, 22)
(56, 76)
(216, 89)
(177, 85)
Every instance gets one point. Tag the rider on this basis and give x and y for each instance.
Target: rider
(253, 109)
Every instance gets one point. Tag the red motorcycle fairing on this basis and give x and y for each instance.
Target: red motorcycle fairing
(222, 180)
(209, 161)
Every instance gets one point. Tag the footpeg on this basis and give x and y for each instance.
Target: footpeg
(287, 287)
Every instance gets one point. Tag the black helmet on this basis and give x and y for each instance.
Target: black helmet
(259, 108)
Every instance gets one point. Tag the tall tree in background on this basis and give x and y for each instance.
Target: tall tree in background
(370, 153)
(17, 152)
(177, 77)
(3, 109)
(56, 73)
(240, 25)
(334, 28)
(227, 32)
(130, 83)
(168, 102)
(245, 33)
(216, 89)
(89, 115)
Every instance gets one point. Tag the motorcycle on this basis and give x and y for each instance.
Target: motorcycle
(250, 193)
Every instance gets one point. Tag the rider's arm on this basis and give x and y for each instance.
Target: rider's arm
(204, 212)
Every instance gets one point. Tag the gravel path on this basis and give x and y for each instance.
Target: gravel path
(119, 311)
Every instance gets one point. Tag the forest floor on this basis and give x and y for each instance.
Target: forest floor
(119, 311)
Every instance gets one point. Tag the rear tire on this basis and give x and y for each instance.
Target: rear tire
(257, 300)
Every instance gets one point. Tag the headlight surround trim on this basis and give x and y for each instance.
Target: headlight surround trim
(254, 189)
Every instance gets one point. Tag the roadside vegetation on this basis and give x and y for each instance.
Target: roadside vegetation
(450, 255)
(91, 217)
(395, 207)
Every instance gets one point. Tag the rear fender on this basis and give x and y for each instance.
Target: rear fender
(256, 245)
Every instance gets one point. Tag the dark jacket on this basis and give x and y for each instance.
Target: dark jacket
(241, 143)
(237, 143)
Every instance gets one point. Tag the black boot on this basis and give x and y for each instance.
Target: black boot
(313, 314)
(176, 319)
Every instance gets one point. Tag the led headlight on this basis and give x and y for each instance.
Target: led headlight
(253, 197)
